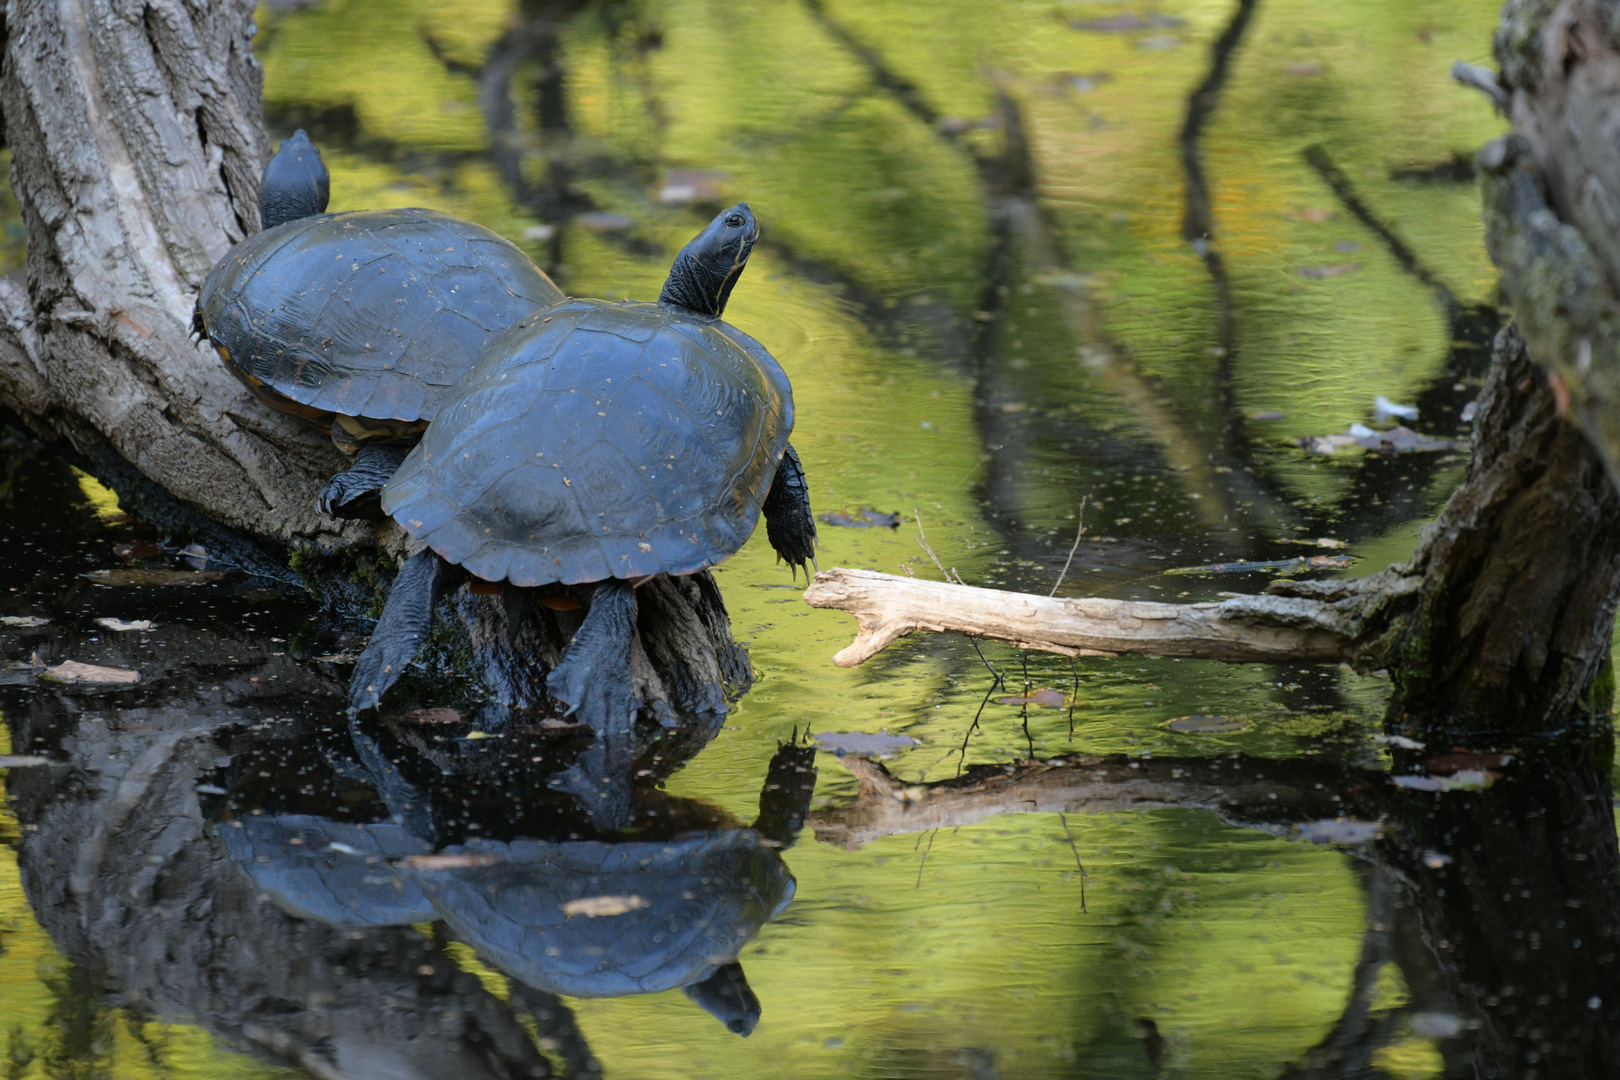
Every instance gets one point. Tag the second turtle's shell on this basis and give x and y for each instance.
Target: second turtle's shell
(373, 314)
(599, 440)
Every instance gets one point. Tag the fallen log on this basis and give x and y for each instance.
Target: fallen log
(1247, 629)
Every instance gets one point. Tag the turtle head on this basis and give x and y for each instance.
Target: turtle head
(711, 263)
(726, 995)
(296, 183)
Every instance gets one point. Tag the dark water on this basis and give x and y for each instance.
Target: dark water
(975, 269)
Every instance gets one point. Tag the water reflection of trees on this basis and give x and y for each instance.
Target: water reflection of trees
(1501, 907)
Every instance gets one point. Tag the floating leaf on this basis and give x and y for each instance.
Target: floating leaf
(858, 742)
(21, 761)
(1463, 780)
(71, 671)
(120, 624)
(131, 550)
(336, 658)
(1342, 831)
(596, 907)
(1399, 740)
(1208, 724)
(23, 620)
(442, 714)
(864, 518)
(133, 576)
(446, 862)
(1397, 440)
(1124, 24)
(1046, 699)
(1317, 273)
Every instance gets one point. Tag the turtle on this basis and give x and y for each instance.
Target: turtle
(598, 444)
(359, 322)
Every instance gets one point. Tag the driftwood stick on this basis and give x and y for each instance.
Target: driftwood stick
(1249, 629)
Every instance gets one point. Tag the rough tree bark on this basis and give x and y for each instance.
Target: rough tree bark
(136, 146)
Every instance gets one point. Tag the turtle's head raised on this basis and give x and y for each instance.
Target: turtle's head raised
(711, 263)
(296, 183)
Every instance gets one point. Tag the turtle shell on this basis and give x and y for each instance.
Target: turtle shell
(599, 440)
(373, 313)
(592, 919)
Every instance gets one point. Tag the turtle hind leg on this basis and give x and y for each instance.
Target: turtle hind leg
(592, 677)
(406, 619)
(357, 491)
(789, 525)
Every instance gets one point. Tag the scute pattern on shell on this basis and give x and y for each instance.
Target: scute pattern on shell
(599, 440)
(373, 313)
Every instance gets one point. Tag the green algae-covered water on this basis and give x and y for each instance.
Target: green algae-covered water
(976, 269)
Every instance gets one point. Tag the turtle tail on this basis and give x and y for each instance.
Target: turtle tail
(406, 619)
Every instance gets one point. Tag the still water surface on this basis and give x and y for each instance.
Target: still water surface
(976, 269)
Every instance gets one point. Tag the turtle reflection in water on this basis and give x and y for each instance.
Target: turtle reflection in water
(359, 322)
(585, 917)
(599, 445)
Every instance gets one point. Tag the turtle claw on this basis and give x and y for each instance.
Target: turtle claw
(356, 493)
(789, 524)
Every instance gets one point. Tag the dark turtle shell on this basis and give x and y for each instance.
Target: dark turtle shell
(373, 314)
(599, 440)
(592, 919)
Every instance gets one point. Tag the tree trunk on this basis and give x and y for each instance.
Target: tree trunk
(137, 145)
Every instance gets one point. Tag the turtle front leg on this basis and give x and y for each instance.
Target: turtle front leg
(592, 677)
(357, 491)
(789, 524)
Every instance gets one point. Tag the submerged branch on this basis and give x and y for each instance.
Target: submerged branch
(1323, 628)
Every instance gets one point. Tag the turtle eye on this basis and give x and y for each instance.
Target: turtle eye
(735, 221)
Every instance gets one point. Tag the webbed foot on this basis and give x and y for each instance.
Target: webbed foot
(406, 619)
(789, 524)
(593, 678)
(356, 493)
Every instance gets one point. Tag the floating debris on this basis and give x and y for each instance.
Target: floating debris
(441, 714)
(1299, 564)
(196, 555)
(1268, 415)
(120, 624)
(131, 550)
(1385, 409)
(1046, 699)
(599, 907)
(1126, 23)
(539, 233)
(21, 761)
(1318, 273)
(455, 861)
(28, 621)
(1469, 411)
(1306, 69)
(1398, 740)
(1462, 780)
(860, 742)
(1208, 724)
(1342, 831)
(336, 658)
(1397, 440)
(134, 577)
(1434, 860)
(73, 672)
(1320, 541)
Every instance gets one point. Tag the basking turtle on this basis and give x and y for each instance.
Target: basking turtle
(600, 443)
(359, 322)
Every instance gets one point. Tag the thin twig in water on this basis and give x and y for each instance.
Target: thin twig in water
(1067, 836)
(973, 727)
(1074, 670)
(924, 862)
(1081, 531)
